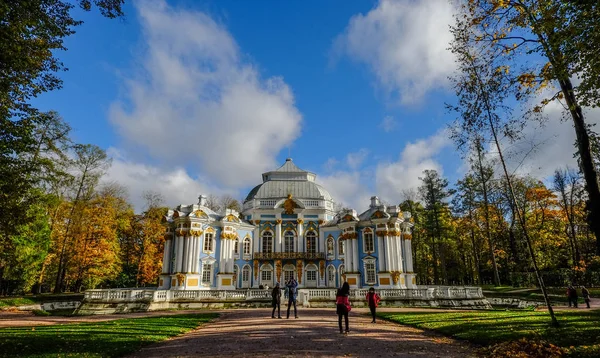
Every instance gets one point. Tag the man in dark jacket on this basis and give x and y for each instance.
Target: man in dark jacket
(292, 288)
(276, 294)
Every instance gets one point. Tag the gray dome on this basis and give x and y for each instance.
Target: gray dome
(288, 179)
(281, 189)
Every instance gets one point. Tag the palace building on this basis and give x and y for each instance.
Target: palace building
(288, 228)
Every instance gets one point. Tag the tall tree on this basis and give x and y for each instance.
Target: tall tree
(434, 194)
(90, 164)
(482, 88)
(538, 43)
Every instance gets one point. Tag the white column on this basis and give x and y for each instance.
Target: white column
(186, 250)
(190, 253)
(398, 253)
(355, 255)
(193, 266)
(389, 258)
(301, 245)
(179, 255)
(381, 253)
(277, 243)
(222, 259)
(408, 255)
(255, 240)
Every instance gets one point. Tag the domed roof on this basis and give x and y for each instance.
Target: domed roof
(288, 179)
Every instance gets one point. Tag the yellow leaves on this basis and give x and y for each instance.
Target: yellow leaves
(527, 80)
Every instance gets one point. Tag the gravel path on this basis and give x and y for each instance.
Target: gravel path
(252, 333)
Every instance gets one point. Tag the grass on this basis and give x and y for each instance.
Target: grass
(579, 330)
(98, 339)
(555, 294)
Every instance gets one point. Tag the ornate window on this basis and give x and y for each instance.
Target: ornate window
(340, 247)
(288, 241)
(267, 242)
(236, 247)
(266, 274)
(236, 271)
(368, 241)
(247, 246)
(341, 272)
(311, 276)
(370, 273)
(246, 276)
(311, 242)
(330, 247)
(288, 272)
(331, 276)
(208, 242)
(207, 273)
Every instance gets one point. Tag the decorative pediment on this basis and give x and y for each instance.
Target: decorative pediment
(347, 218)
(378, 215)
(231, 218)
(200, 214)
(209, 230)
(368, 230)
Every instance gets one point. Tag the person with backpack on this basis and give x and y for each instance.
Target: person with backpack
(292, 292)
(373, 301)
(342, 302)
(276, 295)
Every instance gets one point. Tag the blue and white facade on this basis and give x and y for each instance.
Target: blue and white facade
(288, 228)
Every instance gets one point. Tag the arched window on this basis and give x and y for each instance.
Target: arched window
(266, 275)
(208, 242)
(236, 247)
(368, 242)
(340, 247)
(247, 246)
(311, 242)
(369, 270)
(236, 270)
(342, 272)
(267, 242)
(331, 276)
(246, 276)
(311, 276)
(288, 241)
(330, 246)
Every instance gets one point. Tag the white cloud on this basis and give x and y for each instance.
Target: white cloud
(196, 104)
(347, 188)
(388, 124)
(174, 184)
(393, 178)
(549, 147)
(354, 160)
(405, 45)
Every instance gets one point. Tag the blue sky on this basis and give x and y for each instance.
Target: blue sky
(202, 97)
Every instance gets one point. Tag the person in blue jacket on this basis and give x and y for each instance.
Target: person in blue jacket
(292, 286)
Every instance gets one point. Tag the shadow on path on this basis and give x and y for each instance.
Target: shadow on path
(253, 333)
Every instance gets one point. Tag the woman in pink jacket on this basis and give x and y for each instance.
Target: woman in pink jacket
(343, 305)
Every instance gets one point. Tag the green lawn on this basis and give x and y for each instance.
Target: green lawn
(579, 331)
(555, 294)
(99, 339)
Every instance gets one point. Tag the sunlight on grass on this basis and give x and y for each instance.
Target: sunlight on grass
(98, 339)
(578, 329)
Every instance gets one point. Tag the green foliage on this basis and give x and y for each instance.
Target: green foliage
(101, 339)
(578, 331)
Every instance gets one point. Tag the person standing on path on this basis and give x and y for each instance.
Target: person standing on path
(276, 294)
(585, 293)
(342, 302)
(572, 296)
(292, 293)
(372, 300)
